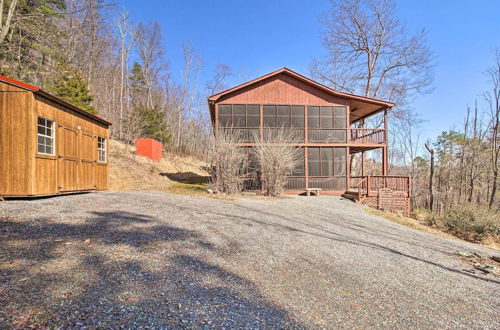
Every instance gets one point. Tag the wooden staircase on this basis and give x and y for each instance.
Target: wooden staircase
(352, 195)
(390, 193)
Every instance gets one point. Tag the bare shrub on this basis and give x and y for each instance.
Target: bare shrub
(229, 162)
(468, 221)
(277, 158)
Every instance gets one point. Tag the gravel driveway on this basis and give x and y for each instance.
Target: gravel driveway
(151, 259)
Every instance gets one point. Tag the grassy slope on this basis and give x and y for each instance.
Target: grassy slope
(172, 173)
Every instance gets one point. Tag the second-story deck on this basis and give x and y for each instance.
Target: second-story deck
(358, 138)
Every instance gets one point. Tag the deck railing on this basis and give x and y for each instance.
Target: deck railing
(328, 135)
(320, 135)
(372, 183)
(367, 135)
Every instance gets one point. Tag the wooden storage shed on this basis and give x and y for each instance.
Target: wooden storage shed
(48, 146)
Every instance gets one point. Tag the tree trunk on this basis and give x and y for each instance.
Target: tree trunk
(431, 176)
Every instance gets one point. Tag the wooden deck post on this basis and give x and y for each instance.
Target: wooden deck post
(362, 163)
(385, 153)
(306, 166)
(368, 186)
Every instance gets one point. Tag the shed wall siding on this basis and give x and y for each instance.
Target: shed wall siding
(15, 162)
(74, 166)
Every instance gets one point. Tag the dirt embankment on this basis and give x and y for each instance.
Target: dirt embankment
(128, 171)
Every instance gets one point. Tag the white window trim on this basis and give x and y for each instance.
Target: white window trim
(102, 149)
(53, 137)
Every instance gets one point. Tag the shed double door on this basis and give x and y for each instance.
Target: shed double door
(67, 158)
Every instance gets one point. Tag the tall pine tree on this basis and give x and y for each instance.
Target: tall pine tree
(72, 87)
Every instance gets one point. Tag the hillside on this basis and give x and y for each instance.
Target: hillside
(128, 171)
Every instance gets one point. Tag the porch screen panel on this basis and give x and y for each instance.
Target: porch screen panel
(225, 114)
(297, 180)
(327, 124)
(327, 167)
(251, 179)
(239, 115)
(287, 116)
(283, 116)
(245, 118)
(313, 117)
(299, 169)
(339, 161)
(313, 161)
(253, 115)
(269, 116)
(340, 122)
(298, 116)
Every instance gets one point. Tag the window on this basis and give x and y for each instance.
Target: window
(46, 137)
(239, 115)
(298, 116)
(284, 115)
(326, 117)
(269, 116)
(326, 161)
(299, 169)
(101, 149)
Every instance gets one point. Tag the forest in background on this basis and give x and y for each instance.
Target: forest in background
(92, 54)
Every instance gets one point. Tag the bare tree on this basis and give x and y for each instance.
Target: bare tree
(6, 25)
(193, 63)
(216, 85)
(493, 99)
(229, 161)
(149, 42)
(431, 176)
(125, 46)
(277, 157)
(369, 51)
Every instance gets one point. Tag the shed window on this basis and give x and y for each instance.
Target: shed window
(46, 136)
(101, 149)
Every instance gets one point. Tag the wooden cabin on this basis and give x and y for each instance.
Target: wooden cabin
(330, 128)
(48, 146)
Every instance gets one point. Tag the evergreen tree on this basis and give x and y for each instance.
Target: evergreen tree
(72, 87)
(30, 40)
(138, 86)
(154, 124)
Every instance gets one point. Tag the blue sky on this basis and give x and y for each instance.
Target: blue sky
(259, 36)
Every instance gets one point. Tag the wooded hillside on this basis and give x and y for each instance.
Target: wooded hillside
(92, 55)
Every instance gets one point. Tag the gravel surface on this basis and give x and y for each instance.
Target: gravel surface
(157, 260)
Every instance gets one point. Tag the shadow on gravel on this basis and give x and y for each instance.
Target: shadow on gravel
(289, 224)
(121, 269)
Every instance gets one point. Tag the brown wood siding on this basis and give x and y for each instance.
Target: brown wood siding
(15, 162)
(76, 137)
(282, 89)
(74, 166)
